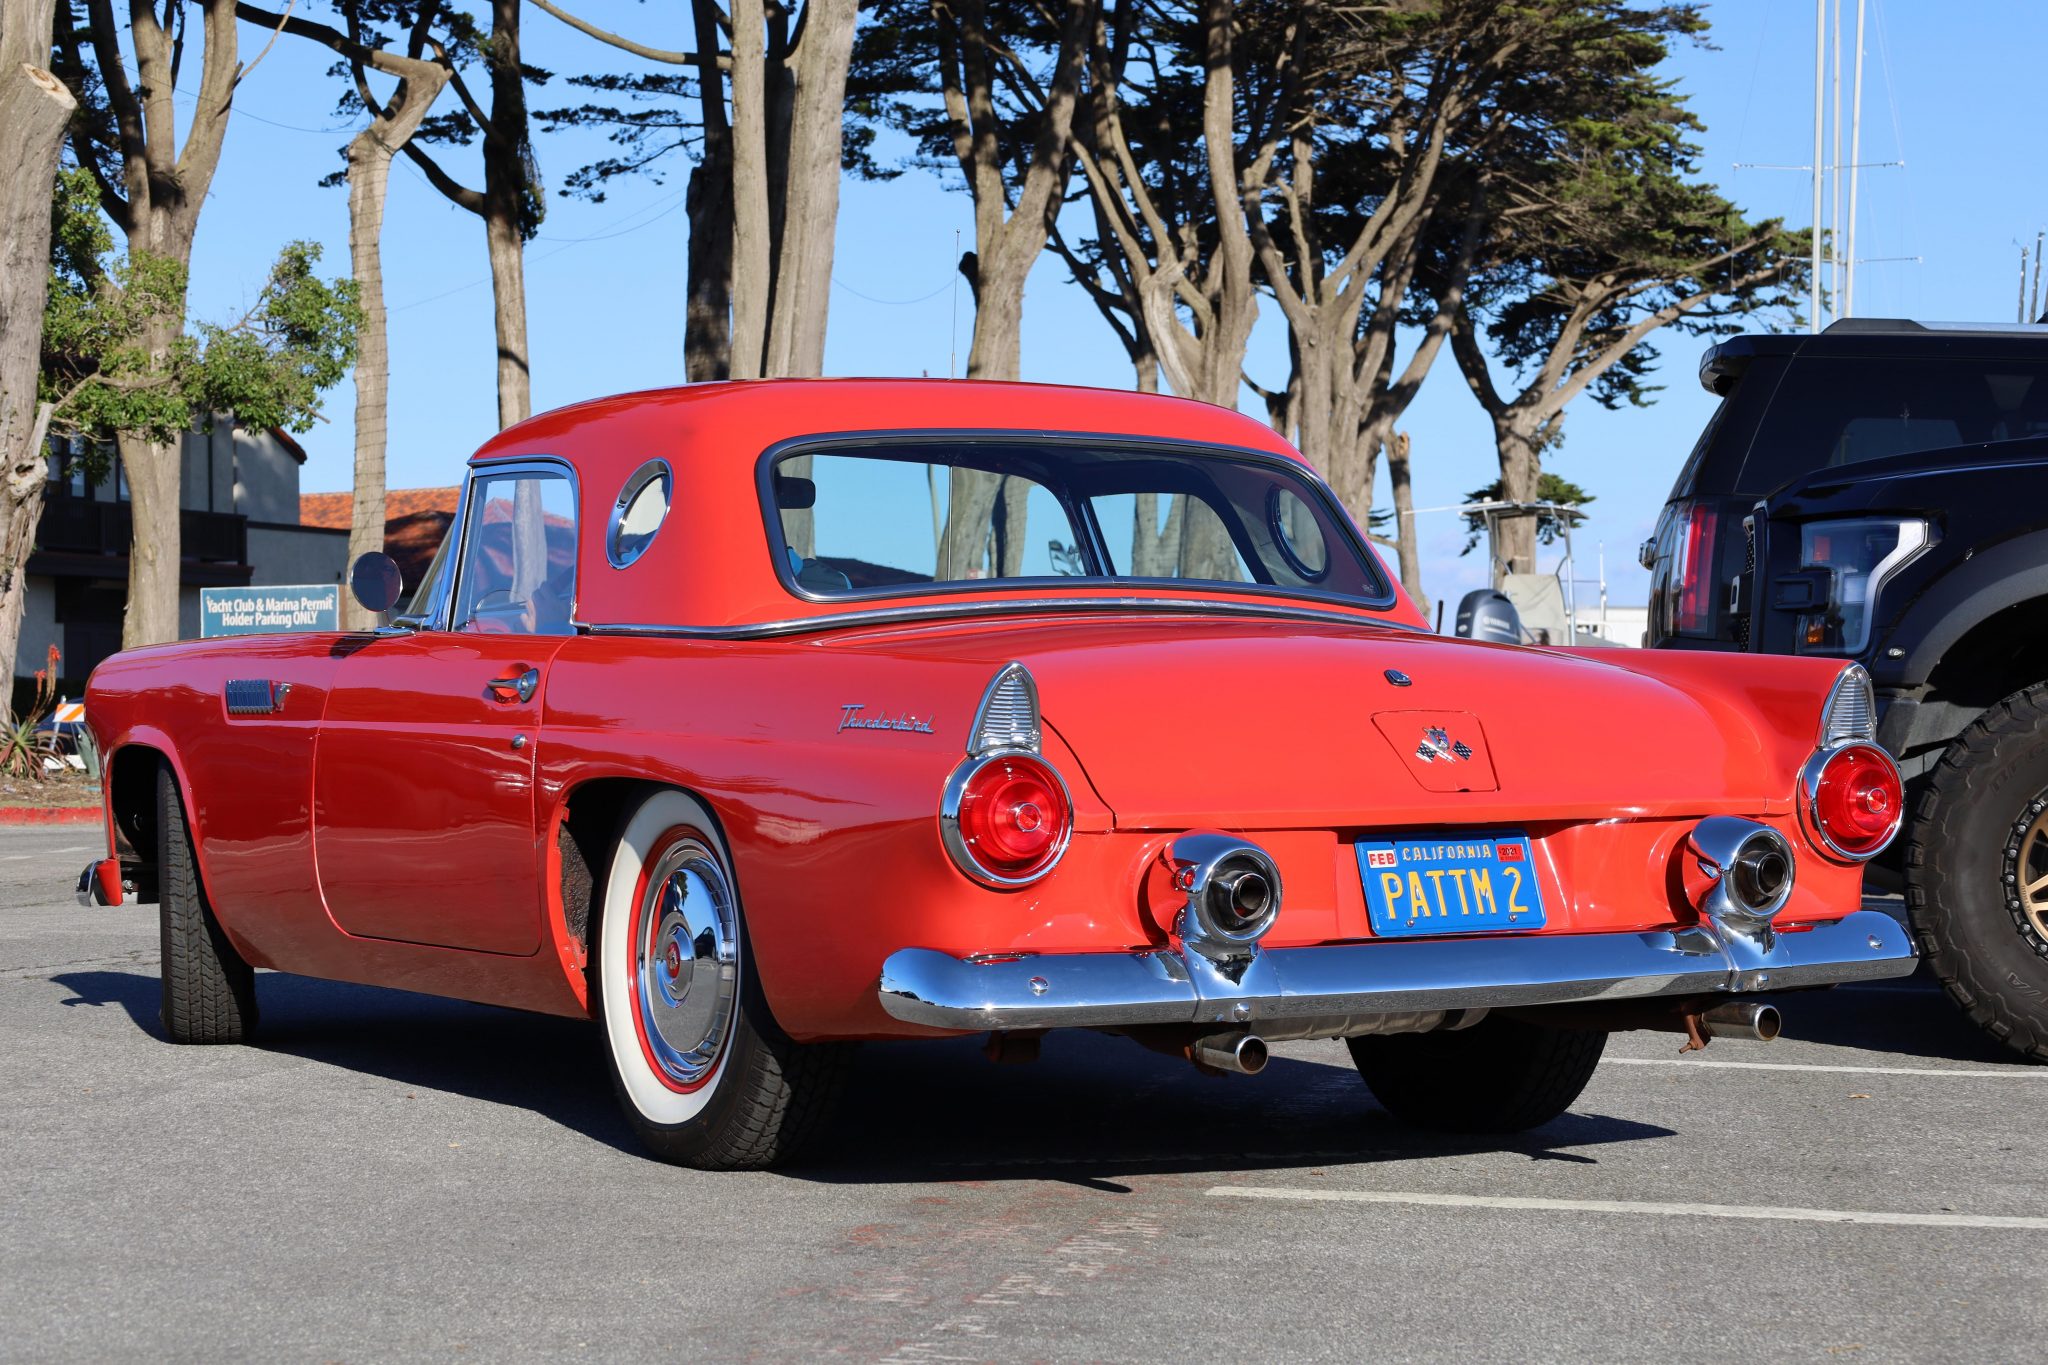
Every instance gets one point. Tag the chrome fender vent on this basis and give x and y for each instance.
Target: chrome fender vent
(255, 696)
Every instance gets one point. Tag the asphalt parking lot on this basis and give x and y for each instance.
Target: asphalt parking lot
(390, 1177)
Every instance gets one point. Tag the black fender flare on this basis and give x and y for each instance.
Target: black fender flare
(1975, 589)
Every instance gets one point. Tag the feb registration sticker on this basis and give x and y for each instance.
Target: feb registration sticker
(1450, 884)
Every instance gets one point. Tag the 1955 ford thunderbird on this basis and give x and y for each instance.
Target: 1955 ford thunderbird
(752, 719)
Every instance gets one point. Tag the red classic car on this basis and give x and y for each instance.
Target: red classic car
(752, 719)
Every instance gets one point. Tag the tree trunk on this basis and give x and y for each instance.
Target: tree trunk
(997, 350)
(752, 233)
(996, 353)
(1520, 446)
(508, 304)
(369, 176)
(707, 309)
(1406, 548)
(152, 470)
(810, 199)
(508, 181)
(34, 109)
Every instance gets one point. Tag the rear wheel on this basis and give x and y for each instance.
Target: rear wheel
(209, 991)
(1977, 871)
(1499, 1076)
(704, 1074)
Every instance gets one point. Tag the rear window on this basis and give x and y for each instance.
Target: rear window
(1832, 411)
(912, 515)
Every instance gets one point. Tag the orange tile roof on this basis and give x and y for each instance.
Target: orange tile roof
(332, 510)
(337, 510)
(415, 519)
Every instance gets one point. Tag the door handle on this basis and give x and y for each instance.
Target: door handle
(522, 686)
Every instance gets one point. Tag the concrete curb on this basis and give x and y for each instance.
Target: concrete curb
(49, 815)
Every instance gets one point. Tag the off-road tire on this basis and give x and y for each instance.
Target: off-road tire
(1499, 1076)
(769, 1095)
(1982, 795)
(209, 991)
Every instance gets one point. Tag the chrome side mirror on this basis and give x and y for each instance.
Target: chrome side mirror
(375, 581)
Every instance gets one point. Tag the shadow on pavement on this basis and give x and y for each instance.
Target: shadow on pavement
(547, 1065)
(1094, 1108)
(1911, 1018)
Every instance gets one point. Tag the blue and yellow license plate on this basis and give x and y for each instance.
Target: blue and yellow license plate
(1450, 884)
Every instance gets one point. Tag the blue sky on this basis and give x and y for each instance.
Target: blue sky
(1946, 91)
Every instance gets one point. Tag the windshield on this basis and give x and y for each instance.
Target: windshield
(908, 515)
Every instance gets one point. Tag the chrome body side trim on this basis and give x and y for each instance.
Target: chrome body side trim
(1160, 986)
(1029, 606)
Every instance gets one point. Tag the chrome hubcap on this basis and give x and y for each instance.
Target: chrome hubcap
(2030, 874)
(686, 961)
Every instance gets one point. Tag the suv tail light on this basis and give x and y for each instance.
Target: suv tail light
(1693, 573)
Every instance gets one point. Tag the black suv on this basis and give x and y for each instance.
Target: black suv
(1879, 493)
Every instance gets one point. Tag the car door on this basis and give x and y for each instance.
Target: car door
(424, 825)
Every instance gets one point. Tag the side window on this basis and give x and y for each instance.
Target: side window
(518, 569)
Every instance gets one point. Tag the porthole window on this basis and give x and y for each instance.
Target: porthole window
(639, 512)
(1297, 534)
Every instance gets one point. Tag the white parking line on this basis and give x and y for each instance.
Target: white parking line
(2017, 1073)
(1473, 1201)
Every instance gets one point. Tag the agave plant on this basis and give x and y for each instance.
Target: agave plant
(21, 749)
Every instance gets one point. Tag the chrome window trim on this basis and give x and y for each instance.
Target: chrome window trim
(1030, 606)
(956, 842)
(635, 484)
(450, 593)
(830, 442)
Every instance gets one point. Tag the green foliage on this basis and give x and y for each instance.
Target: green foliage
(118, 358)
(22, 750)
(1603, 222)
(1549, 526)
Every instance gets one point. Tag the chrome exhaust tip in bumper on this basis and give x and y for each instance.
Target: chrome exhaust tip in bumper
(1242, 1054)
(1739, 873)
(1233, 893)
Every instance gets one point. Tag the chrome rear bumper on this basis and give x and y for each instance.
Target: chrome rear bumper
(1162, 986)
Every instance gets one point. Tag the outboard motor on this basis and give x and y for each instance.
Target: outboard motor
(1486, 614)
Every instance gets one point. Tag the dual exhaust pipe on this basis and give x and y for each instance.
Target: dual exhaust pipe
(1240, 1053)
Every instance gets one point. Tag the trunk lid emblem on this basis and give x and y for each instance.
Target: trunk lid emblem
(1444, 751)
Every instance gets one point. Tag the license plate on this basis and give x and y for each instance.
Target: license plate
(1450, 884)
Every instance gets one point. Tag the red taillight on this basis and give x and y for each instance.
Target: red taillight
(1695, 572)
(1007, 818)
(1854, 800)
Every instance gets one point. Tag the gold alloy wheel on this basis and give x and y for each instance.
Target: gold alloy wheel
(2030, 874)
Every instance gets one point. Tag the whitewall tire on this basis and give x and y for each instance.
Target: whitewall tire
(704, 1075)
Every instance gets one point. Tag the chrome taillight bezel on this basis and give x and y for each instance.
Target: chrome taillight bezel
(961, 849)
(1006, 726)
(1809, 808)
